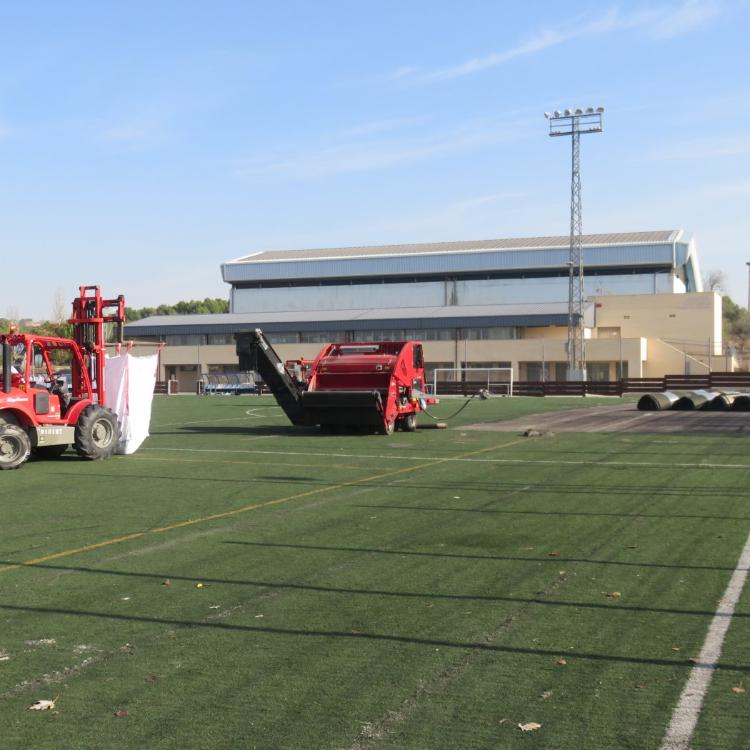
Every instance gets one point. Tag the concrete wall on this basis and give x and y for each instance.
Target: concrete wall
(693, 318)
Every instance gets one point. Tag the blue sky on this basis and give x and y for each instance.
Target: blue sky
(142, 143)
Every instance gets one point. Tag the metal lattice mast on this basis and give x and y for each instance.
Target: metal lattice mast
(576, 344)
(573, 122)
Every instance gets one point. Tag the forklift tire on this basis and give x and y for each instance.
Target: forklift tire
(97, 433)
(388, 428)
(50, 451)
(409, 423)
(7, 417)
(15, 446)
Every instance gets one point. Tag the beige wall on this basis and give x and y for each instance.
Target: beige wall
(651, 328)
(692, 317)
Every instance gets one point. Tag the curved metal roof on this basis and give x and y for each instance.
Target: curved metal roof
(631, 250)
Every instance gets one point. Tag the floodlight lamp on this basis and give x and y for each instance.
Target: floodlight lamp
(557, 113)
(546, 115)
(568, 112)
(600, 110)
(579, 111)
(589, 110)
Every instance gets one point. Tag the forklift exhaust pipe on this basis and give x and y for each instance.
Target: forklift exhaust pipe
(6, 367)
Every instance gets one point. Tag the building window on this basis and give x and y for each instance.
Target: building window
(220, 338)
(609, 332)
(490, 333)
(319, 337)
(286, 337)
(185, 339)
(597, 372)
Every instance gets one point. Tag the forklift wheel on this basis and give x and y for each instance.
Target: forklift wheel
(97, 433)
(409, 423)
(15, 446)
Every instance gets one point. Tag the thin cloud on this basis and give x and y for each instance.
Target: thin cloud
(469, 205)
(724, 191)
(700, 149)
(138, 131)
(370, 155)
(660, 22)
(687, 17)
(381, 126)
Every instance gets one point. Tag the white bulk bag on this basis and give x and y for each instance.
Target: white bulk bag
(130, 385)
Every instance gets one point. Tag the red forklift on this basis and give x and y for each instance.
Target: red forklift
(53, 391)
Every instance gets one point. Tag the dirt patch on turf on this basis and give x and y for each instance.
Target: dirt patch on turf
(623, 418)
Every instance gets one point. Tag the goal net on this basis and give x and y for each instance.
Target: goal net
(466, 381)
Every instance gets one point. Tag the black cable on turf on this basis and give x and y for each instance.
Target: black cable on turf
(455, 413)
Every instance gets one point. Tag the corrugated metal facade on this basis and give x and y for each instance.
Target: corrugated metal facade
(631, 256)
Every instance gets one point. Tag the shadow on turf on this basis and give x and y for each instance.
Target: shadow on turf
(557, 489)
(387, 637)
(286, 430)
(500, 558)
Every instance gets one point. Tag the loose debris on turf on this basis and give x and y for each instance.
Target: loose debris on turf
(530, 726)
(43, 705)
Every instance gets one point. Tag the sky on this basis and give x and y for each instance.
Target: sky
(142, 144)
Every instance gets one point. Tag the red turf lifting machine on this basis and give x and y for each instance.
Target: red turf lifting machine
(377, 386)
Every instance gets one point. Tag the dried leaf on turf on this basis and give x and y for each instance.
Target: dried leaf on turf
(152, 679)
(612, 594)
(553, 554)
(529, 726)
(738, 690)
(561, 662)
(199, 585)
(167, 582)
(121, 713)
(43, 705)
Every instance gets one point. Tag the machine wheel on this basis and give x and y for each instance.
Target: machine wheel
(15, 446)
(97, 433)
(388, 427)
(50, 451)
(409, 423)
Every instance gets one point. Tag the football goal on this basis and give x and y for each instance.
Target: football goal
(466, 381)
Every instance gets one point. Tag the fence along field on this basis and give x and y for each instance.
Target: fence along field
(241, 583)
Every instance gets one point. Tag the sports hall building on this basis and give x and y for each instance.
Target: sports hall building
(493, 303)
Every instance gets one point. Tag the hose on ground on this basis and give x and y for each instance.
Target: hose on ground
(479, 394)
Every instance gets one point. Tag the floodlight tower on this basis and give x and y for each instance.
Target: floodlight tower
(573, 122)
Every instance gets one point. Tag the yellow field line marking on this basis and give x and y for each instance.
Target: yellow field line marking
(243, 509)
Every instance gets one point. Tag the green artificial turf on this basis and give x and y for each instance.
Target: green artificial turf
(425, 590)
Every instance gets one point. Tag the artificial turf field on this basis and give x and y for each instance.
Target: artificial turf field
(238, 583)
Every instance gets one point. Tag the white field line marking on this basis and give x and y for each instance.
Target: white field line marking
(687, 711)
(397, 457)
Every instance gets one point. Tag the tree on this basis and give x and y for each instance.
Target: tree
(715, 281)
(736, 325)
(208, 306)
(59, 308)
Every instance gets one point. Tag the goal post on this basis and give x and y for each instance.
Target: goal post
(468, 380)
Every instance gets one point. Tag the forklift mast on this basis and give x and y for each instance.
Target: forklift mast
(90, 313)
